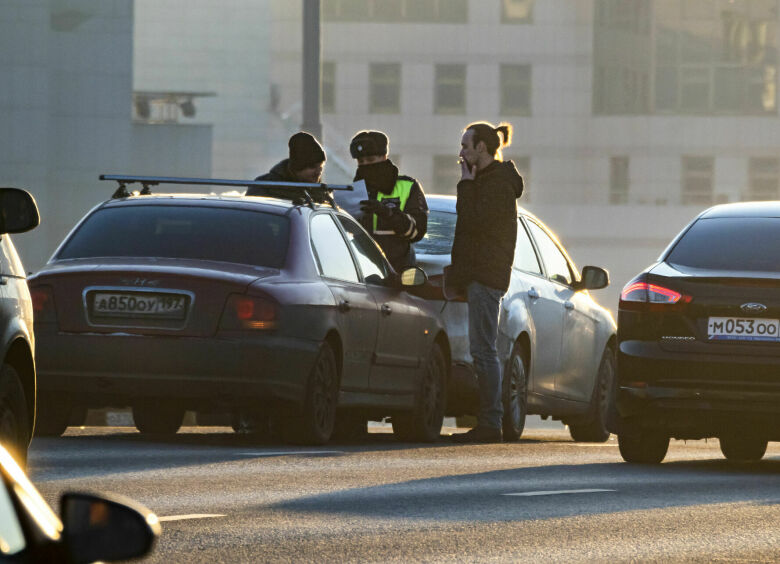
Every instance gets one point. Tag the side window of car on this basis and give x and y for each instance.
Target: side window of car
(554, 260)
(525, 255)
(366, 250)
(330, 250)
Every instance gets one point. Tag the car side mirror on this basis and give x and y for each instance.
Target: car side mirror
(106, 528)
(593, 278)
(414, 276)
(18, 211)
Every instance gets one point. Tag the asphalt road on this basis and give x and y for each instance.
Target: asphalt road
(226, 498)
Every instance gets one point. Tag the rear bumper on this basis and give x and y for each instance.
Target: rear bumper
(696, 396)
(100, 370)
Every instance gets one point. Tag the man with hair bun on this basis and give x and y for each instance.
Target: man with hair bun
(482, 256)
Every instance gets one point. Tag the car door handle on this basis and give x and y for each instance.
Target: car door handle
(568, 304)
(533, 294)
(386, 309)
(344, 306)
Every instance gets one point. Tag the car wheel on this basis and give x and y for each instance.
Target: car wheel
(595, 431)
(53, 415)
(158, 418)
(14, 416)
(643, 447)
(743, 448)
(423, 423)
(350, 427)
(315, 425)
(515, 394)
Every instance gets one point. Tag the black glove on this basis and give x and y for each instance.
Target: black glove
(383, 209)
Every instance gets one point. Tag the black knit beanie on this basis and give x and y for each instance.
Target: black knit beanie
(305, 151)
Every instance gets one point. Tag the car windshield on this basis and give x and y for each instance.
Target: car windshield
(189, 232)
(730, 243)
(441, 232)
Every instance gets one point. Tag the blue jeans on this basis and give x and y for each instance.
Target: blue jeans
(484, 303)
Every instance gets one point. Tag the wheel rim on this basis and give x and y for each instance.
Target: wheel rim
(324, 400)
(517, 391)
(432, 393)
(605, 383)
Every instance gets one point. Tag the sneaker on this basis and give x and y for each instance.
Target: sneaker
(479, 435)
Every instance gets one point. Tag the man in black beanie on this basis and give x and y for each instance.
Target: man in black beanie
(305, 164)
(396, 213)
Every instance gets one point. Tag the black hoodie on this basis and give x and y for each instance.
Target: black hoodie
(486, 230)
(279, 173)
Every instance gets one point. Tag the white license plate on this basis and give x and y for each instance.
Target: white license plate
(118, 304)
(743, 329)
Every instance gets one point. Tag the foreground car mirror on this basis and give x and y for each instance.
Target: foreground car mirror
(18, 211)
(414, 276)
(106, 528)
(593, 278)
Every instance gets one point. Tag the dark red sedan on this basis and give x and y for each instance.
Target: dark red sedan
(284, 308)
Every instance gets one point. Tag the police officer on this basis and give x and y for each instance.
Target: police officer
(305, 164)
(396, 213)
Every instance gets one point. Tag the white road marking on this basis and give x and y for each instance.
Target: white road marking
(282, 453)
(190, 516)
(556, 492)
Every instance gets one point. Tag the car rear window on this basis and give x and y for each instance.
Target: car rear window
(730, 243)
(191, 232)
(441, 232)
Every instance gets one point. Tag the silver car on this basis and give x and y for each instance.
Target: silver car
(557, 345)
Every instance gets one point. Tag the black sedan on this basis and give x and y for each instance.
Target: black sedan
(285, 309)
(699, 339)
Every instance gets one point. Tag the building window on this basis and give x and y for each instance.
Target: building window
(517, 11)
(395, 11)
(385, 90)
(450, 89)
(516, 90)
(446, 174)
(697, 180)
(764, 176)
(704, 57)
(328, 86)
(618, 180)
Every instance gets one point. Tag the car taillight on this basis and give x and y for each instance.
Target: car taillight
(247, 312)
(43, 304)
(642, 295)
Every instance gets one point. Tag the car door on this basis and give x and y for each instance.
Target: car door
(397, 353)
(578, 333)
(358, 316)
(528, 305)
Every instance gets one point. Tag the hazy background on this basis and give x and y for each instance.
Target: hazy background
(630, 116)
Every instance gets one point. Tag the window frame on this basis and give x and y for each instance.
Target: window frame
(575, 276)
(315, 255)
(447, 82)
(521, 220)
(387, 267)
(505, 106)
(373, 106)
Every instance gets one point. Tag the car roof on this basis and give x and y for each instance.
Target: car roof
(266, 204)
(743, 209)
(446, 203)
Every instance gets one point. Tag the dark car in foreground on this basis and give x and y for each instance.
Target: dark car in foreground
(92, 528)
(284, 309)
(699, 339)
(555, 341)
(18, 213)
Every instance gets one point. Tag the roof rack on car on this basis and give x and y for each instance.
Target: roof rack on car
(308, 193)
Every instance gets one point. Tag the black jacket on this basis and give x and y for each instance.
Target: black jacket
(279, 173)
(410, 225)
(486, 228)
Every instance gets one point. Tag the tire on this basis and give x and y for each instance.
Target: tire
(158, 418)
(53, 415)
(315, 425)
(14, 415)
(747, 448)
(350, 428)
(595, 431)
(514, 394)
(643, 447)
(423, 424)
